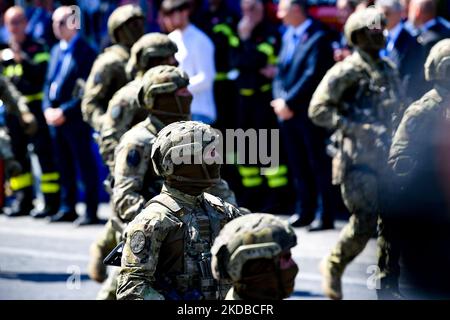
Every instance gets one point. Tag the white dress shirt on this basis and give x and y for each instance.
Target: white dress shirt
(196, 57)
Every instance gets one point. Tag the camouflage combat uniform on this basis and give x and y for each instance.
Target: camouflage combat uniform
(108, 72)
(135, 181)
(166, 253)
(360, 98)
(124, 110)
(418, 157)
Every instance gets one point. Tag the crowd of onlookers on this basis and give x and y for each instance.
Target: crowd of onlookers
(251, 63)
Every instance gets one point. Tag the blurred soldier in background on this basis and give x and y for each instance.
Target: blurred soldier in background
(254, 252)
(417, 225)
(358, 98)
(25, 64)
(125, 26)
(167, 248)
(124, 111)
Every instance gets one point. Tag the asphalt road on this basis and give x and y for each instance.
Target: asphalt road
(39, 260)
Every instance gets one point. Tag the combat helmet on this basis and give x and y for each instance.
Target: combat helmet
(160, 80)
(252, 236)
(149, 46)
(437, 65)
(120, 16)
(370, 18)
(179, 143)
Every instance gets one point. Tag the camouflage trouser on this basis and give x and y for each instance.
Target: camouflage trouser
(106, 242)
(109, 287)
(388, 259)
(107, 239)
(360, 194)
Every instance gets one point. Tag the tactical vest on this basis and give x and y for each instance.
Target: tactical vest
(200, 226)
(374, 99)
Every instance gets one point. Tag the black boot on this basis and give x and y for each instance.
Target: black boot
(50, 209)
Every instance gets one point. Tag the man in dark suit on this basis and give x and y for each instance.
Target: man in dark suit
(71, 60)
(403, 49)
(305, 57)
(430, 28)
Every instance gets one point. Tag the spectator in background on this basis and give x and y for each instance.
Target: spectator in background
(25, 64)
(403, 49)
(195, 56)
(345, 8)
(219, 23)
(71, 60)
(305, 57)
(40, 22)
(255, 58)
(428, 26)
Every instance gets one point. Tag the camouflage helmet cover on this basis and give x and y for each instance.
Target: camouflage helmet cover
(252, 236)
(437, 65)
(370, 18)
(151, 45)
(159, 80)
(183, 139)
(120, 16)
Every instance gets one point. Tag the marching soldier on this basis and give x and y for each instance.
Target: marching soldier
(167, 248)
(359, 99)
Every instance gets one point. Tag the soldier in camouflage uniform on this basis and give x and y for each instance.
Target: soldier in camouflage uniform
(13, 104)
(358, 98)
(167, 248)
(125, 26)
(418, 158)
(124, 111)
(254, 252)
(165, 96)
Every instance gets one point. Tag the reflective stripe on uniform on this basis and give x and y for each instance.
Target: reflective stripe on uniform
(50, 187)
(13, 71)
(233, 40)
(277, 177)
(269, 51)
(21, 181)
(266, 87)
(250, 176)
(221, 76)
(49, 182)
(249, 92)
(41, 57)
(34, 97)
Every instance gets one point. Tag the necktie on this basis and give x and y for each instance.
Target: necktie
(292, 44)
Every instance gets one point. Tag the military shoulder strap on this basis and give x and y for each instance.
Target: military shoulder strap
(165, 201)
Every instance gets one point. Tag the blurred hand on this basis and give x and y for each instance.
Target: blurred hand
(281, 109)
(269, 71)
(30, 124)
(245, 27)
(54, 116)
(17, 50)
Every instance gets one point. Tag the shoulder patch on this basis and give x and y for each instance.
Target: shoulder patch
(137, 242)
(133, 158)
